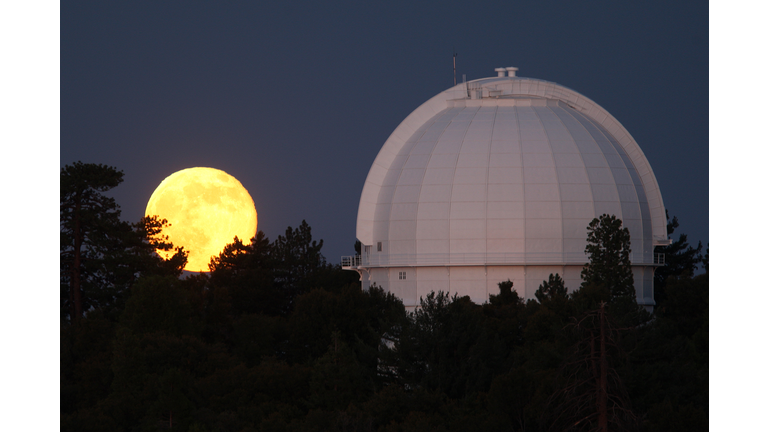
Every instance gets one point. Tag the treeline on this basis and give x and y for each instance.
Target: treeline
(275, 338)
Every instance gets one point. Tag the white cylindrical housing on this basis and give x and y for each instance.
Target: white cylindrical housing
(501, 71)
(512, 71)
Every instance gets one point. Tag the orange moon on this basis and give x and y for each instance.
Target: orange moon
(206, 208)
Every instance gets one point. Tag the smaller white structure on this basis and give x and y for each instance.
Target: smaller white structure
(498, 179)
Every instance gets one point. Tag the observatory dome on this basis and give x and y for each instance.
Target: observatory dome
(497, 179)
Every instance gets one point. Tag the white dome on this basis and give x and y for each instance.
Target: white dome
(506, 171)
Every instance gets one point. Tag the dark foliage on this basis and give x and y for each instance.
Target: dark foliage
(608, 249)
(590, 393)
(353, 360)
(90, 226)
(274, 338)
(552, 290)
(680, 259)
(102, 256)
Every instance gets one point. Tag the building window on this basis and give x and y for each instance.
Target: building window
(378, 247)
(402, 275)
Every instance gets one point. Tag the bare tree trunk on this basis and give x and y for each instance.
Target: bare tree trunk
(602, 402)
(75, 296)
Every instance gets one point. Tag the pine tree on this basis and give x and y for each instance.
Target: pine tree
(89, 226)
(608, 248)
(101, 255)
(680, 260)
(298, 261)
(551, 289)
(591, 395)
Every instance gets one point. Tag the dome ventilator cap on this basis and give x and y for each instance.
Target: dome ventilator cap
(507, 71)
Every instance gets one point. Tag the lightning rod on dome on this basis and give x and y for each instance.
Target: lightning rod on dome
(454, 66)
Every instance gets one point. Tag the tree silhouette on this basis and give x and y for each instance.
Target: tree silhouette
(89, 226)
(246, 273)
(591, 395)
(505, 296)
(680, 259)
(274, 338)
(298, 261)
(608, 248)
(551, 289)
(102, 256)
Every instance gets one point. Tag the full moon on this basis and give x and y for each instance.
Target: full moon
(206, 209)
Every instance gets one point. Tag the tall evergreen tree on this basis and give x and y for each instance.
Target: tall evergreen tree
(608, 248)
(551, 289)
(246, 272)
(591, 395)
(89, 226)
(680, 259)
(101, 256)
(298, 261)
(506, 294)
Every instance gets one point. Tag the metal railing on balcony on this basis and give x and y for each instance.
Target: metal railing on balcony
(351, 261)
(452, 259)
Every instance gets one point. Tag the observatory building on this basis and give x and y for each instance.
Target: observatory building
(498, 179)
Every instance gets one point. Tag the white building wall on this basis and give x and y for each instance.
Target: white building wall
(403, 282)
(572, 277)
(431, 279)
(479, 282)
(496, 274)
(469, 281)
(535, 275)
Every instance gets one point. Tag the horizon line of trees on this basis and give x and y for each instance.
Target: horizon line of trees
(275, 338)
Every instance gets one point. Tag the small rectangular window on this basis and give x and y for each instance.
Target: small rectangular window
(402, 275)
(378, 247)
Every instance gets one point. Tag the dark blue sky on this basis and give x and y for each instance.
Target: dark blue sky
(295, 99)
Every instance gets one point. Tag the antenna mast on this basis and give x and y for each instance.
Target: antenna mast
(454, 67)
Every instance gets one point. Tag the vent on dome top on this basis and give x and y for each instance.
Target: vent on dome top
(507, 71)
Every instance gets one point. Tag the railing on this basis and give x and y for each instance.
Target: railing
(473, 86)
(386, 260)
(351, 261)
(441, 259)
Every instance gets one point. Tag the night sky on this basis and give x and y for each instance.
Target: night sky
(296, 99)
